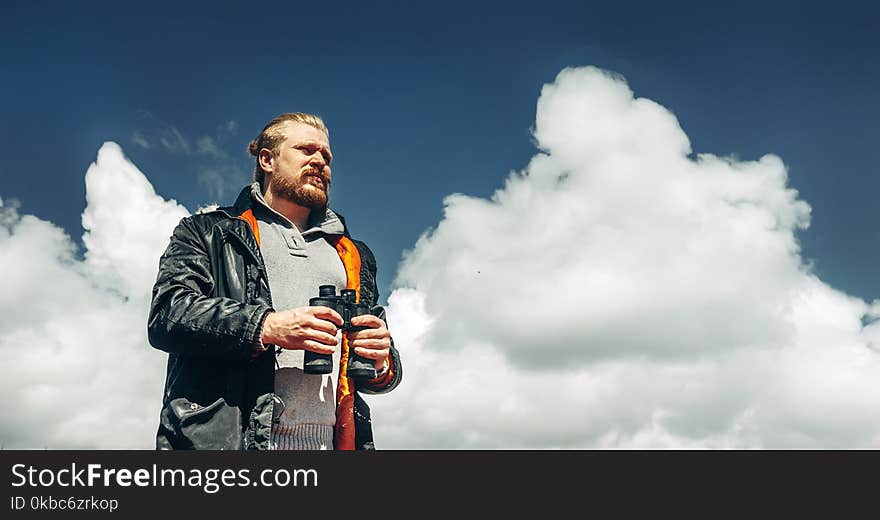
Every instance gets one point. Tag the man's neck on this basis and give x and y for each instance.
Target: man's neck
(298, 215)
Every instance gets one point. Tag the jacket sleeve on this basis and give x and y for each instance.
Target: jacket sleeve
(184, 316)
(369, 289)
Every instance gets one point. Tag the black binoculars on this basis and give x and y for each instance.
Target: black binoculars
(346, 305)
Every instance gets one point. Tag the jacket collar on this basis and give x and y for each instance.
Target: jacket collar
(245, 202)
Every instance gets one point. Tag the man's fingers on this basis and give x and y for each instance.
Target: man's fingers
(323, 337)
(367, 320)
(316, 341)
(371, 344)
(323, 325)
(369, 334)
(317, 347)
(370, 353)
(326, 313)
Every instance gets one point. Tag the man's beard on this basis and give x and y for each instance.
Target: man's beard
(295, 190)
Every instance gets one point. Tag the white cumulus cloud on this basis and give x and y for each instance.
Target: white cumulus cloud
(79, 372)
(619, 292)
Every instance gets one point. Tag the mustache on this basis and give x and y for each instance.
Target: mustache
(319, 174)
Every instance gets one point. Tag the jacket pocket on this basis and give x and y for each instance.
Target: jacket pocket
(213, 427)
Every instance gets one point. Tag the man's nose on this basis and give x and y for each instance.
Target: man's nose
(317, 160)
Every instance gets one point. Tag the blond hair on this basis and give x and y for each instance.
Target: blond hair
(272, 137)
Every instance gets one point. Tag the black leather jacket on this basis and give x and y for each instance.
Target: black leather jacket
(208, 304)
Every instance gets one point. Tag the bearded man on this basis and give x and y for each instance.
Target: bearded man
(231, 307)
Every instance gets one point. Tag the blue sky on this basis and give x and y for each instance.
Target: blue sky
(428, 99)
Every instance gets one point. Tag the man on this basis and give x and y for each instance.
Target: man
(231, 307)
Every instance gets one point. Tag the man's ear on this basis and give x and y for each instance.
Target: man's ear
(267, 159)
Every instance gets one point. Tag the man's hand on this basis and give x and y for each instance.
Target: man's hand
(373, 343)
(303, 328)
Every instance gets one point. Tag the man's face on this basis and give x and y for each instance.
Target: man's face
(301, 168)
